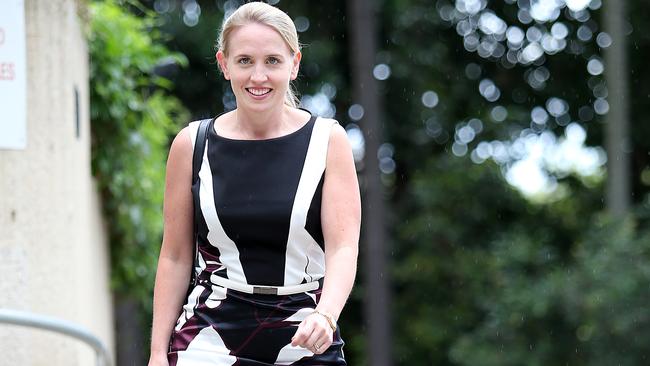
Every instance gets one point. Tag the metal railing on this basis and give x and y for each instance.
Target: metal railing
(22, 318)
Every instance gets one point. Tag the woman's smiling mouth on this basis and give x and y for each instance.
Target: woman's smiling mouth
(258, 92)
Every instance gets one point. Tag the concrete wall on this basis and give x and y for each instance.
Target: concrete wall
(53, 249)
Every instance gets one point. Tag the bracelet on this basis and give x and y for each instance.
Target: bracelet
(328, 317)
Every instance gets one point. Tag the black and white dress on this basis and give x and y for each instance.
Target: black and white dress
(260, 202)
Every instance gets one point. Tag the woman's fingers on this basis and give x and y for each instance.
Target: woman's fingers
(319, 341)
(314, 334)
(302, 333)
(316, 340)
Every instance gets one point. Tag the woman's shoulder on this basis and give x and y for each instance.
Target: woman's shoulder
(191, 129)
(338, 134)
(182, 142)
(336, 131)
(337, 137)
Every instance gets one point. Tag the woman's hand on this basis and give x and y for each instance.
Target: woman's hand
(314, 333)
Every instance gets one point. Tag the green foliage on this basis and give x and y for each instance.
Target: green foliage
(443, 255)
(483, 277)
(589, 311)
(132, 121)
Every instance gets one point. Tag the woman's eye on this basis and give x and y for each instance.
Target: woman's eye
(244, 60)
(273, 61)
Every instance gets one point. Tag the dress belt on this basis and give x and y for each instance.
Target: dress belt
(265, 290)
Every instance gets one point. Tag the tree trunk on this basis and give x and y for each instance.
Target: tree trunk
(131, 347)
(361, 24)
(617, 139)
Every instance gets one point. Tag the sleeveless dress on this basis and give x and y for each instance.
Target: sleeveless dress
(260, 203)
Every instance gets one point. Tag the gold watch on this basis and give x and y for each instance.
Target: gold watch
(330, 319)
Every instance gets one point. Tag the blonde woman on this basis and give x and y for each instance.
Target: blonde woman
(274, 213)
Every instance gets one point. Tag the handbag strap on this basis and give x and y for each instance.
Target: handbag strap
(197, 159)
(199, 147)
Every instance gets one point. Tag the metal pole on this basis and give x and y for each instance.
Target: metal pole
(26, 319)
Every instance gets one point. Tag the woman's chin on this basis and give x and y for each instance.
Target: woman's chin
(260, 105)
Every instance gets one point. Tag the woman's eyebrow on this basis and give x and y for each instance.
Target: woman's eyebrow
(269, 55)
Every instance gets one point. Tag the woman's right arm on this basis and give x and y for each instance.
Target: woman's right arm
(175, 261)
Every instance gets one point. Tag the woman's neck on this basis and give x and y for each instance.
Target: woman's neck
(262, 125)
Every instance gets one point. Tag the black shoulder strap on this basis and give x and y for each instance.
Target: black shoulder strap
(199, 147)
(197, 158)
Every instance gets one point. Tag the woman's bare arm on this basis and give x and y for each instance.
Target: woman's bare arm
(175, 261)
(341, 223)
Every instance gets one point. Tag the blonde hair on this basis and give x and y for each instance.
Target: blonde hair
(262, 13)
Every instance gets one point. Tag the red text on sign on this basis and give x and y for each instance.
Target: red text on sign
(7, 71)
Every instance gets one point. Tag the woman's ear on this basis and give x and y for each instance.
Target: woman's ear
(223, 65)
(296, 65)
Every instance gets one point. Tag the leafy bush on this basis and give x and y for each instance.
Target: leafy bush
(132, 118)
(590, 310)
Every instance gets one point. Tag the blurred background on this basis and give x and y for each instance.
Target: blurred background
(502, 149)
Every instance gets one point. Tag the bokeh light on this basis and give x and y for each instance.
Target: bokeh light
(430, 99)
(381, 72)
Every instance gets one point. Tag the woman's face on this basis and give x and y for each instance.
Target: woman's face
(259, 66)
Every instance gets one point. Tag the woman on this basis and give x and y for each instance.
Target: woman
(278, 224)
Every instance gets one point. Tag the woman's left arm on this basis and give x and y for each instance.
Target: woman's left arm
(341, 223)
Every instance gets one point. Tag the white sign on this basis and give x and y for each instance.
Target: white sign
(13, 78)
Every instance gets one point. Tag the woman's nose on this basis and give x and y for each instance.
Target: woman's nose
(259, 74)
